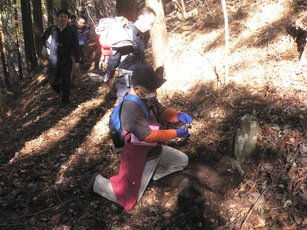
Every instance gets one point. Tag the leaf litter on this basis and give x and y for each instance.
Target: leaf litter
(48, 152)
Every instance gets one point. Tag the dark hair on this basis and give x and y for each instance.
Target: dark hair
(145, 11)
(82, 17)
(63, 12)
(73, 16)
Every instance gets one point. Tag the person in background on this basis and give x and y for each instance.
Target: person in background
(62, 42)
(73, 19)
(125, 60)
(143, 158)
(83, 31)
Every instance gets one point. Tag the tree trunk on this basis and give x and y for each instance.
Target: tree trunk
(98, 11)
(49, 7)
(64, 4)
(83, 6)
(226, 42)
(73, 7)
(4, 57)
(106, 7)
(17, 43)
(127, 8)
(31, 60)
(159, 38)
(38, 26)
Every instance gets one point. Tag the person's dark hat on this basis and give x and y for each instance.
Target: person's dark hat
(145, 75)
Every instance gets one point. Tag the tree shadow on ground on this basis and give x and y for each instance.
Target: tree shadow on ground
(190, 210)
(30, 194)
(217, 114)
(37, 108)
(34, 173)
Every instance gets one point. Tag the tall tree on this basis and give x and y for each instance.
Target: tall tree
(83, 7)
(4, 56)
(64, 4)
(17, 41)
(49, 6)
(226, 42)
(31, 60)
(106, 8)
(159, 37)
(127, 8)
(38, 25)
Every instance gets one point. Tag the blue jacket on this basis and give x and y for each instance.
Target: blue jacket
(82, 34)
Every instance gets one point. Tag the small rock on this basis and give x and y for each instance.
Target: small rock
(287, 203)
(261, 223)
(267, 167)
(152, 209)
(150, 201)
(184, 188)
(167, 214)
(298, 219)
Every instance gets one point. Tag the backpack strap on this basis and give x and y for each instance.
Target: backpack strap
(115, 117)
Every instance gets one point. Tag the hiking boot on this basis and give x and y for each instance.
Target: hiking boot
(90, 186)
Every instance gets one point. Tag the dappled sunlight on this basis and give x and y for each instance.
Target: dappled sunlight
(60, 130)
(261, 18)
(49, 151)
(100, 131)
(98, 134)
(258, 47)
(41, 116)
(253, 56)
(189, 61)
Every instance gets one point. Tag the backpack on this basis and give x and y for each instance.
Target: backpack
(113, 34)
(46, 40)
(116, 132)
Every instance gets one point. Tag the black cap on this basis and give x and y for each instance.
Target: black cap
(145, 75)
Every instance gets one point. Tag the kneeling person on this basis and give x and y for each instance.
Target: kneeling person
(142, 157)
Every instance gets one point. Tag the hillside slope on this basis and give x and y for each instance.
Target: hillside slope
(49, 152)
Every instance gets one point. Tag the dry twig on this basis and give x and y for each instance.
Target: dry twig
(36, 213)
(273, 182)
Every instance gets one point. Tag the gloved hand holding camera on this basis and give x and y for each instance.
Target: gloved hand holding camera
(182, 132)
(184, 118)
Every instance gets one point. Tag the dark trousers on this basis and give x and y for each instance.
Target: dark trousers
(81, 54)
(59, 79)
(122, 88)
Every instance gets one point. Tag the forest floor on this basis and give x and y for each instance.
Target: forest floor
(49, 152)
